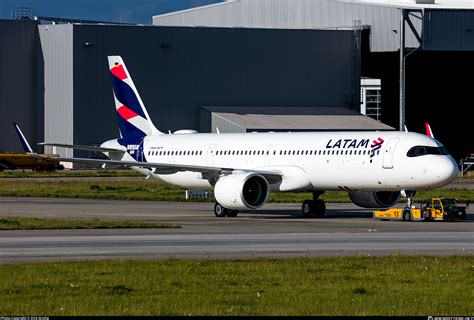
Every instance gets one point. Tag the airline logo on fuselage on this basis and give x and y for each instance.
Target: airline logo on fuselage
(356, 144)
(348, 143)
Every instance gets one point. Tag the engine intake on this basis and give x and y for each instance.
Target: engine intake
(242, 191)
(374, 199)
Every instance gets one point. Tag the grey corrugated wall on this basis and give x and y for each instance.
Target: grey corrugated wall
(297, 14)
(21, 83)
(57, 46)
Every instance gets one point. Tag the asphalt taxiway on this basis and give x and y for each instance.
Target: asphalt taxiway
(277, 230)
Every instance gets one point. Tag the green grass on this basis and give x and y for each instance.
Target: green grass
(141, 189)
(363, 286)
(25, 223)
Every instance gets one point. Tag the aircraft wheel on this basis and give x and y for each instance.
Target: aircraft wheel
(219, 210)
(232, 213)
(319, 208)
(307, 208)
(406, 215)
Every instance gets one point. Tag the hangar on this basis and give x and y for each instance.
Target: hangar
(195, 66)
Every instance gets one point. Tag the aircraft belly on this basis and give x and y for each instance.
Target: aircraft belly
(185, 179)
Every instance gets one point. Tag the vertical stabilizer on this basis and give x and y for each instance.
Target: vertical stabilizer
(133, 118)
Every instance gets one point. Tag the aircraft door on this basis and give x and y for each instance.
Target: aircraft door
(388, 153)
(210, 155)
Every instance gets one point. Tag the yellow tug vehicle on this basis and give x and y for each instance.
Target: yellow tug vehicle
(435, 209)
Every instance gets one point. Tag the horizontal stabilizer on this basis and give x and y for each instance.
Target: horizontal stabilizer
(81, 147)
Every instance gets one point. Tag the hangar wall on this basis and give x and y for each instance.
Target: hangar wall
(21, 83)
(179, 69)
(57, 47)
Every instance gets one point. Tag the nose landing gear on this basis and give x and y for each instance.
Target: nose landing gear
(409, 196)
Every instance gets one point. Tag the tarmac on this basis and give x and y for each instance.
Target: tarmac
(276, 230)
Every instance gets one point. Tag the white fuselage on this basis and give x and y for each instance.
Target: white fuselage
(307, 160)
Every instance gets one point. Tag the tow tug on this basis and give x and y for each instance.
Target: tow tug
(435, 209)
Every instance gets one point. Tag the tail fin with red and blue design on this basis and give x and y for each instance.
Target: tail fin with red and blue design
(133, 118)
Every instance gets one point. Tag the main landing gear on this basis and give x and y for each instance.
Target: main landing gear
(315, 207)
(221, 212)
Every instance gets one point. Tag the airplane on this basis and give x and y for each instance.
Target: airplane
(374, 167)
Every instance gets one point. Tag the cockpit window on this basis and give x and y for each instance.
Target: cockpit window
(424, 150)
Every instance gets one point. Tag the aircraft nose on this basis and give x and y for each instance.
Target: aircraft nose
(446, 170)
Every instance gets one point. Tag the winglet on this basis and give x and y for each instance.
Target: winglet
(24, 142)
(429, 133)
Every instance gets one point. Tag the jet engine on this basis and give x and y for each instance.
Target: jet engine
(374, 199)
(241, 191)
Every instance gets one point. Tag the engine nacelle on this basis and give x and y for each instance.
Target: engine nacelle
(241, 191)
(374, 199)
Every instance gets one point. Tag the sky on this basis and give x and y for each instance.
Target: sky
(128, 11)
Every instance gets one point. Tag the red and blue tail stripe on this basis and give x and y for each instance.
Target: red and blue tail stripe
(131, 113)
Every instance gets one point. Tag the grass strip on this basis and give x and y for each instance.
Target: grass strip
(141, 189)
(26, 223)
(362, 286)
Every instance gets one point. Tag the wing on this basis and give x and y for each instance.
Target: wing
(208, 172)
(169, 168)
